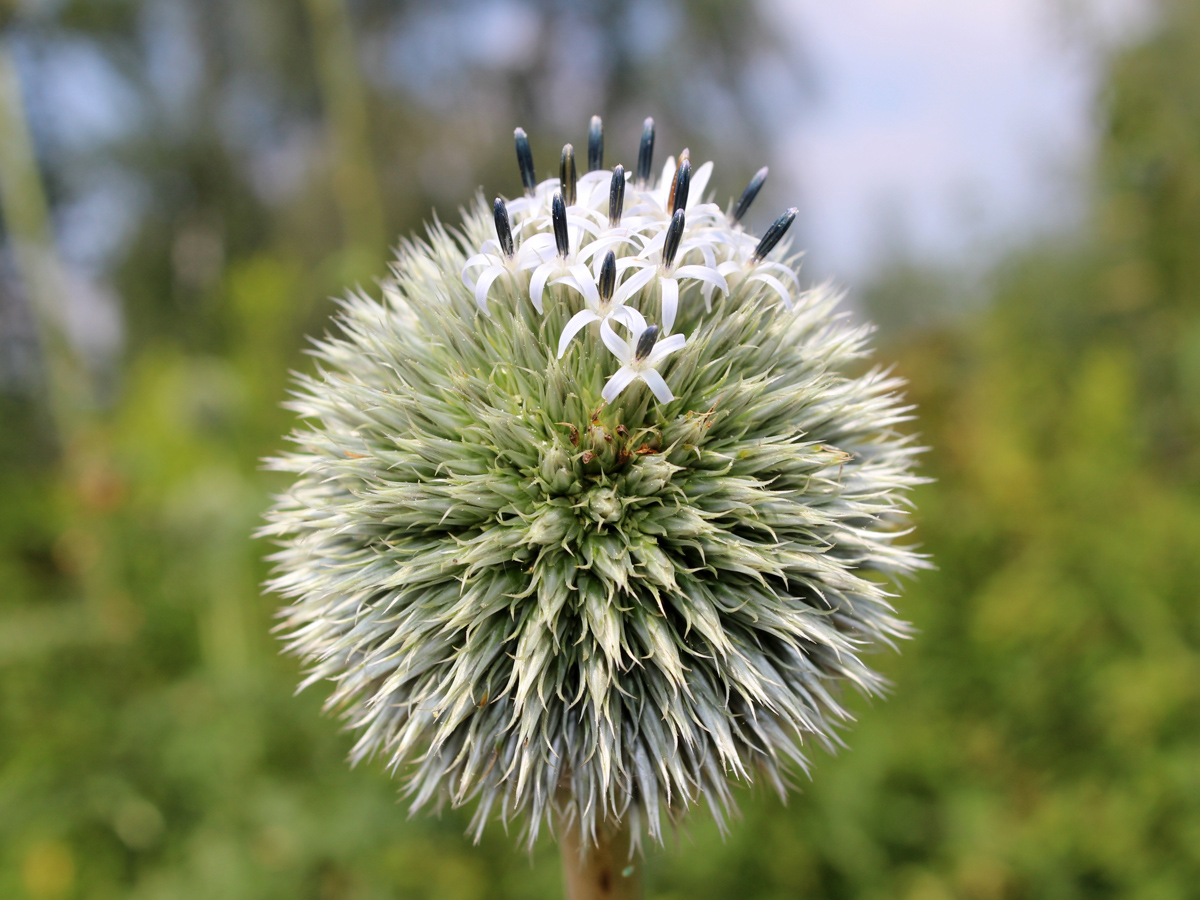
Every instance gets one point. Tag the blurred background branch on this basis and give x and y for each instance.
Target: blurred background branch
(26, 220)
(355, 185)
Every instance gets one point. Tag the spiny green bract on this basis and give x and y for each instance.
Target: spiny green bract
(561, 609)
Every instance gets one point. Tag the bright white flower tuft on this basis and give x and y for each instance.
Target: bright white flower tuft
(589, 516)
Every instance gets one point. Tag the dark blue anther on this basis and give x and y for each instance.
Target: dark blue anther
(674, 236)
(645, 153)
(646, 342)
(616, 196)
(566, 175)
(595, 145)
(773, 235)
(525, 161)
(503, 228)
(558, 215)
(749, 194)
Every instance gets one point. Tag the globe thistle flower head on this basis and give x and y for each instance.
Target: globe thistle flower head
(590, 518)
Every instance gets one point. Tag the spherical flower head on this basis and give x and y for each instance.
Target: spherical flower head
(590, 517)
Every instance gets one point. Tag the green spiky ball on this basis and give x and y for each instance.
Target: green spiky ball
(561, 608)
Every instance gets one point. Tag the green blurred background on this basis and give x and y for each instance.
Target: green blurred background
(1043, 739)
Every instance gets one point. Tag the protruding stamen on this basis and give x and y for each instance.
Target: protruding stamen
(645, 153)
(748, 195)
(566, 174)
(616, 196)
(595, 145)
(525, 161)
(773, 235)
(503, 229)
(683, 180)
(646, 342)
(607, 282)
(674, 236)
(558, 215)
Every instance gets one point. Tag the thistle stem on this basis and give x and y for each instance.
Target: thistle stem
(606, 871)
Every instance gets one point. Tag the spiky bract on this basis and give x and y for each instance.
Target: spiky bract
(558, 607)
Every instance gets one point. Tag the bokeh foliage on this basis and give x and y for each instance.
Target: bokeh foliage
(1044, 736)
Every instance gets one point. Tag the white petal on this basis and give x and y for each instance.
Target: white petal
(784, 271)
(704, 246)
(698, 184)
(656, 384)
(522, 204)
(593, 180)
(616, 345)
(653, 244)
(670, 302)
(533, 252)
(578, 321)
(620, 380)
(629, 317)
(632, 262)
(710, 211)
(777, 285)
(595, 250)
(581, 280)
(665, 348)
(633, 284)
(645, 212)
(537, 283)
(668, 175)
(481, 259)
(583, 223)
(703, 273)
(538, 242)
(484, 285)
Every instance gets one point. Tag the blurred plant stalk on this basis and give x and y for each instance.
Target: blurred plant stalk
(70, 395)
(355, 181)
(27, 222)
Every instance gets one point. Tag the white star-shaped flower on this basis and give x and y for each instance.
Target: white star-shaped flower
(562, 263)
(756, 267)
(603, 298)
(662, 253)
(499, 257)
(639, 357)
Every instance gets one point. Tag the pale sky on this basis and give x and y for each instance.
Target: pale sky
(945, 129)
